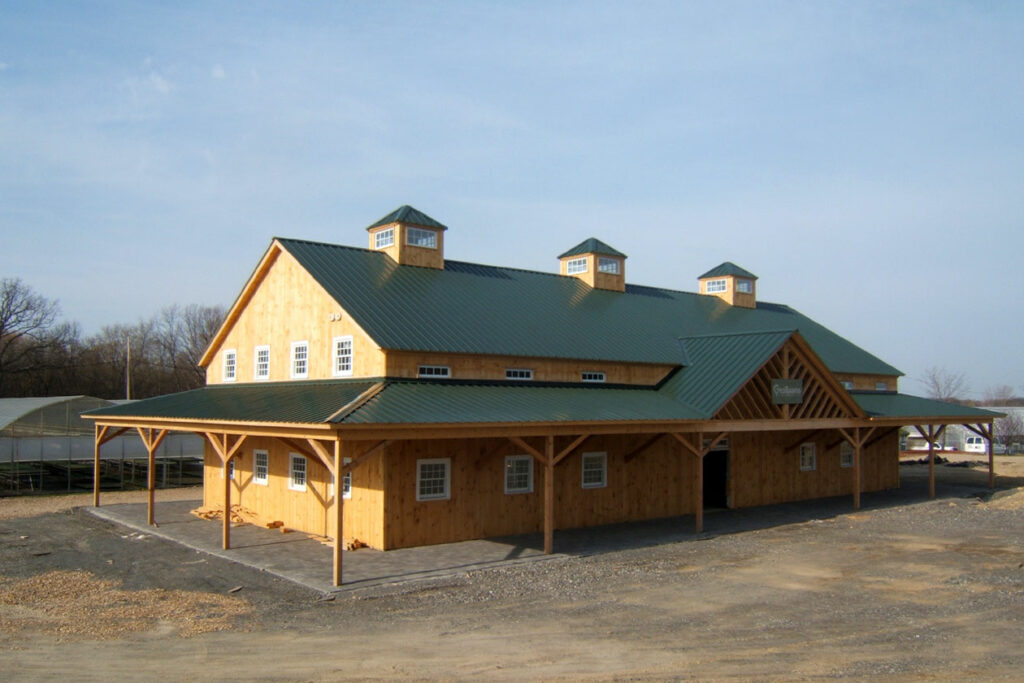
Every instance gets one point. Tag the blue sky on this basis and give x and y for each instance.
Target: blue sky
(866, 160)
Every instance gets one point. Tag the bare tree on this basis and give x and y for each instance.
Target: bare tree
(184, 333)
(999, 395)
(28, 329)
(943, 385)
(1009, 429)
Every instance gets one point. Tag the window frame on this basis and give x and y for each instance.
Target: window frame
(335, 356)
(380, 242)
(509, 459)
(294, 458)
(881, 386)
(257, 455)
(808, 449)
(231, 354)
(602, 457)
(430, 375)
(598, 376)
(575, 266)
(846, 451)
(346, 482)
(447, 493)
(846, 384)
(256, 363)
(744, 286)
(526, 374)
(611, 266)
(423, 232)
(296, 345)
(716, 286)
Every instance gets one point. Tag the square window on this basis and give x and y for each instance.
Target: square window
(744, 286)
(595, 470)
(436, 371)
(384, 238)
(262, 367)
(518, 373)
(881, 386)
(230, 360)
(576, 265)
(297, 473)
(808, 457)
(518, 474)
(433, 479)
(715, 286)
(846, 454)
(260, 467)
(608, 265)
(342, 363)
(346, 482)
(300, 360)
(591, 376)
(415, 237)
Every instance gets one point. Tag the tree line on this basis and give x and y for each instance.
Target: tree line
(42, 355)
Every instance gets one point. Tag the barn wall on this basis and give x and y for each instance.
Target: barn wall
(308, 511)
(765, 467)
(653, 484)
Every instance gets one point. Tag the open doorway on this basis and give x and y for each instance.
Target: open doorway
(716, 477)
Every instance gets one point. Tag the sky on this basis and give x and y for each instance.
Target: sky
(864, 159)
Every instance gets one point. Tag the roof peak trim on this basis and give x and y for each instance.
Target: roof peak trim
(592, 245)
(409, 215)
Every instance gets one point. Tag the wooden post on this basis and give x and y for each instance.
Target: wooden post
(226, 529)
(339, 502)
(96, 465)
(931, 462)
(699, 493)
(989, 433)
(151, 480)
(549, 494)
(856, 468)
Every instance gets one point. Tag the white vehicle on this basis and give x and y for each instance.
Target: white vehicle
(974, 444)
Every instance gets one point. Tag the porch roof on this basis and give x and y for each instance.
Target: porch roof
(915, 408)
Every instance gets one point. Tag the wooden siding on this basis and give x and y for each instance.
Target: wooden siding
(465, 366)
(308, 511)
(868, 382)
(407, 254)
(655, 483)
(764, 467)
(289, 305)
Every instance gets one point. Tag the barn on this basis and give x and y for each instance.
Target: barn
(456, 401)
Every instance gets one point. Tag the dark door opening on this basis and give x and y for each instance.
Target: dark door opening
(716, 477)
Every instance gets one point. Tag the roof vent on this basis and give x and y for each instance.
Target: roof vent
(409, 237)
(597, 264)
(732, 284)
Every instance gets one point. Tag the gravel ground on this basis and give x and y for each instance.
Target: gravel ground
(927, 589)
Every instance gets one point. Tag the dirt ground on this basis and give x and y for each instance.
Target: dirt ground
(925, 589)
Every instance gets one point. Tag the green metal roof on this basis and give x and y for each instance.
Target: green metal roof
(407, 214)
(592, 245)
(728, 268)
(480, 309)
(294, 402)
(880, 404)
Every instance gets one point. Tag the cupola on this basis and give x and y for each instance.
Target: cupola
(597, 264)
(729, 282)
(409, 237)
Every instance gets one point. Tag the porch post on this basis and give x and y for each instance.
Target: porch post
(226, 528)
(549, 494)
(931, 461)
(989, 433)
(96, 466)
(339, 502)
(151, 479)
(856, 468)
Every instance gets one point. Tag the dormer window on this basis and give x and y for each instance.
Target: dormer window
(576, 265)
(416, 237)
(744, 286)
(716, 286)
(384, 238)
(608, 265)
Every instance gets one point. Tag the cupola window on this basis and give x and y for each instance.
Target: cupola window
(421, 238)
(576, 265)
(744, 286)
(715, 286)
(608, 265)
(384, 238)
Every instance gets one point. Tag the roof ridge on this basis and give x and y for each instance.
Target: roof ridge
(742, 334)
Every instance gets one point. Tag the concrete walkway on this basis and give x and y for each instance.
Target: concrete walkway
(303, 560)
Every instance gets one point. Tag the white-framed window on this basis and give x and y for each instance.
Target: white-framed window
(415, 237)
(341, 362)
(518, 474)
(518, 373)
(608, 265)
(594, 470)
(433, 479)
(230, 365)
(300, 360)
(433, 371)
(808, 457)
(846, 454)
(260, 467)
(576, 265)
(262, 365)
(847, 384)
(346, 482)
(384, 238)
(591, 376)
(715, 286)
(744, 286)
(881, 386)
(296, 472)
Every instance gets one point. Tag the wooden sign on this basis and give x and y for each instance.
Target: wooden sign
(787, 391)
